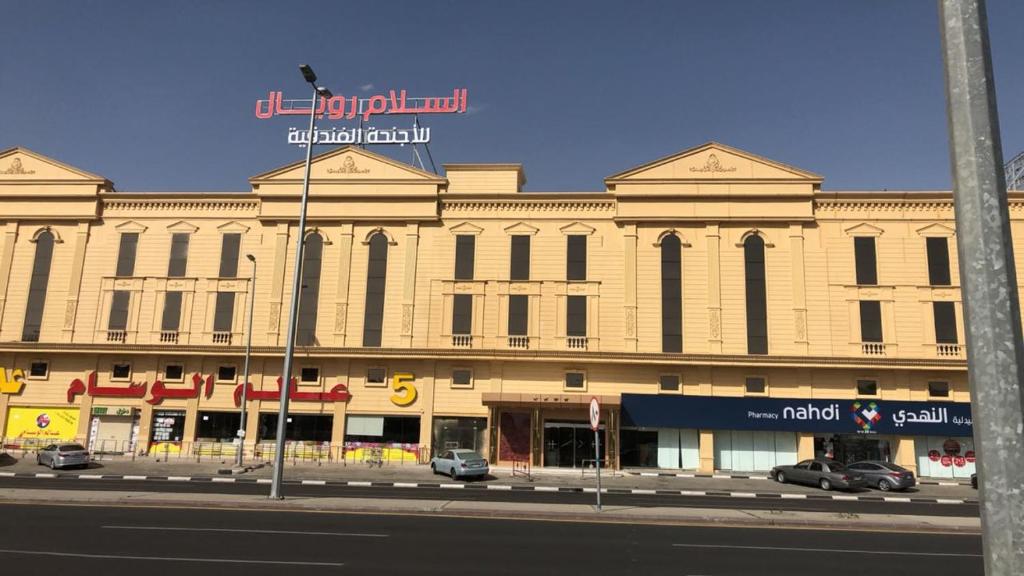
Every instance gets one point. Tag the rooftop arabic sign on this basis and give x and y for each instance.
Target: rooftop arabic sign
(348, 108)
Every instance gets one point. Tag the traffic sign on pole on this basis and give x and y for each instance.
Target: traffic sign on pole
(595, 421)
(595, 414)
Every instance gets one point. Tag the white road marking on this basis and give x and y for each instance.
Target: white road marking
(90, 476)
(948, 501)
(794, 496)
(245, 531)
(264, 481)
(315, 482)
(844, 497)
(353, 483)
(169, 558)
(453, 485)
(498, 487)
(693, 493)
(46, 475)
(743, 495)
(829, 550)
(895, 499)
(648, 473)
(643, 491)
(686, 475)
(7, 474)
(219, 479)
(133, 477)
(407, 485)
(180, 478)
(722, 476)
(545, 488)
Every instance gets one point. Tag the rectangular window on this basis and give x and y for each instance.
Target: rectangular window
(576, 257)
(226, 373)
(518, 314)
(575, 381)
(867, 387)
(867, 266)
(224, 312)
(755, 385)
(668, 383)
(309, 375)
(37, 288)
(945, 322)
(938, 262)
(172, 312)
(179, 256)
(229, 248)
(465, 256)
(120, 371)
(870, 321)
(462, 314)
(938, 389)
(462, 378)
(576, 316)
(376, 376)
(174, 372)
(119, 310)
(38, 369)
(126, 255)
(520, 268)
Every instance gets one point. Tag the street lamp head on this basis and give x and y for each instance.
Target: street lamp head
(307, 73)
(324, 92)
(251, 258)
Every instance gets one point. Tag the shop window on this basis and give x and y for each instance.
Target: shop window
(938, 389)
(756, 385)
(298, 427)
(382, 429)
(179, 256)
(168, 426)
(870, 321)
(376, 376)
(945, 322)
(867, 387)
(39, 369)
(668, 383)
(218, 426)
(121, 371)
(465, 256)
(309, 293)
(37, 288)
(376, 281)
(757, 304)
(866, 260)
(309, 375)
(226, 373)
(174, 372)
(230, 246)
(462, 378)
(575, 381)
(520, 261)
(576, 257)
(671, 295)
(938, 261)
(451, 433)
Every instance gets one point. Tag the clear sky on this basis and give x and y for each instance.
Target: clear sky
(160, 96)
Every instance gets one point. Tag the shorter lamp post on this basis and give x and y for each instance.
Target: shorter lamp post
(248, 350)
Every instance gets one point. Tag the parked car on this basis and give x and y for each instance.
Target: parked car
(826, 474)
(456, 463)
(63, 455)
(974, 480)
(884, 475)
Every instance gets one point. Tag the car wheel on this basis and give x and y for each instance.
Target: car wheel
(53, 464)
(454, 475)
(39, 460)
(825, 484)
(780, 477)
(884, 485)
(433, 468)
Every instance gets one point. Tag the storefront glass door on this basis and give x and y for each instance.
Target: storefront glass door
(570, 444)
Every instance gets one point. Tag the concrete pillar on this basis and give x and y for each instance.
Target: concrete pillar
(536, 437)
(492, 435)
(905, 454)
(713, 238)
(425, 385)
(706, 451)
(804, 446)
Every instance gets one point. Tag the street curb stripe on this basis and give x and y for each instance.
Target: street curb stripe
(41, 475)
(353, 483)
(264, 481)
(692, 493)
(896, 499)
(948, 501)
(180, 478)
(91, 476)
(844, 497)
(743, 495)
(314, 482)
(405, 485)
(545, 488)
(793, 496)
(133, 477)
(498, 487)
(217, 479)
(453, 485)
(8, 474)
(642, 491)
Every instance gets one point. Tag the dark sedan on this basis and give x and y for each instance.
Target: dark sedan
(825, 474)
(884, 475)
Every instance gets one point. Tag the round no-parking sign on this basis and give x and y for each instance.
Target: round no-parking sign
(595, 413)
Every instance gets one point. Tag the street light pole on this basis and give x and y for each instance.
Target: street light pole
(286, 371)
(995, 353)
(248, 351)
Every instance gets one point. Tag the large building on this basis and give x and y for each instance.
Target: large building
(727, 313)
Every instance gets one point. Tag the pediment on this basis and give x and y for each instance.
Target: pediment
(466, 228)
(22, 165)
(520, 228)
(232, 227)
(182, 227)
(864, 229)
(714, 162)
(577, 228)
(349, 163)
(940, 230)
(130, 227)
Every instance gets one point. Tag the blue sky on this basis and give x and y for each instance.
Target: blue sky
(160, 96)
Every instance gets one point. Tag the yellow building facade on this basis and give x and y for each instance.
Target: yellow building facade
(727, 313)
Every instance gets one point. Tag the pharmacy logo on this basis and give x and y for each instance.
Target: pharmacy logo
(865, 416)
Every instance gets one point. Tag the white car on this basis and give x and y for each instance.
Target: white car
(456, 463)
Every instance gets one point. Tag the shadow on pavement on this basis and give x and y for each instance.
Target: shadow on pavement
(7, 460)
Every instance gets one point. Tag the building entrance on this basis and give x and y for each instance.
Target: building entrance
(849, 448)
(570, 444)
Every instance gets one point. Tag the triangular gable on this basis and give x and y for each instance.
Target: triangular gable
(940, 230)
(466, 228)
(521, 228)
(24, 165)
(348, 163)
(182, 227)
(864, 229)
(576, 228)
(129, 227)
(713, 161)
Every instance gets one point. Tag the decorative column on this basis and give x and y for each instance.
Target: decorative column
(713, 238)
(344, 277)
(796, 248)
(706, 451)
(277, 283)
(412, 238)
(426, 399)
(6, 258)
(629, 235)
(75, 283)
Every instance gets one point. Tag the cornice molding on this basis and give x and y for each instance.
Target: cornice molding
(518, 205)
(182, 204)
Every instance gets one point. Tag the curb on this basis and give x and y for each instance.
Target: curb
(759, 477)
(504, 487)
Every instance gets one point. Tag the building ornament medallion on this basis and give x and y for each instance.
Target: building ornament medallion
(348, 166)
(713, 164)
(17, 168)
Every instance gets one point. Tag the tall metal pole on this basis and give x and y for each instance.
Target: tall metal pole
(286, 371)
(248, 351)
(995, 354)
(597, 461)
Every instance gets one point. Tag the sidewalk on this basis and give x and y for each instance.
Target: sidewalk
(512, 510)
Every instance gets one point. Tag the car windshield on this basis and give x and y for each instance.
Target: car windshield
(469, 456)
(71, 447)
(835, 466)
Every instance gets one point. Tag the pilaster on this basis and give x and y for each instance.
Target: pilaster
(344, 252)
(6, 259)
(629, 235)
(713, 238)
(277, 283)
(412, 238)
(796, 248)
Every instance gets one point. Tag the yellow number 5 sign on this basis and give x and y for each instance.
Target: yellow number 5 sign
(14, 384)
(405, 391)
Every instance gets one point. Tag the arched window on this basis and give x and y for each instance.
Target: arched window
(376, 280)
(37, 287)
(671, 295)
(309, 293)
(757, 306)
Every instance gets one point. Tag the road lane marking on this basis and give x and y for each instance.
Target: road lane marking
(133, 477)
(828, 550)
(314, 482)
(246, 531)
(499, 487)
(895, 499)
(743, 495)
(794, 496)
(353, 483)
(405, 485)
(46, 475)
(168, 558)
(180, 478)
(91, 476)
(264, 480)
(218, 479)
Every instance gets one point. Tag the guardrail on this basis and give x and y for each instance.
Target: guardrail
(521, 467)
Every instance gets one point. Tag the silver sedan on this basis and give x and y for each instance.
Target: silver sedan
(458, 463)
(63, 455)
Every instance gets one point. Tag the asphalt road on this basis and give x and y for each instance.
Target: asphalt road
(117, 541)
(479, 492)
